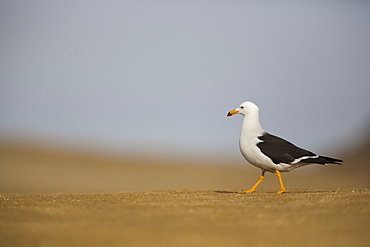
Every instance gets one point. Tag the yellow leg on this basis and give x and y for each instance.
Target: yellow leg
(254, 186)
(281, 182)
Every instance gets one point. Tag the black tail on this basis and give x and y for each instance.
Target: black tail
(323, 160)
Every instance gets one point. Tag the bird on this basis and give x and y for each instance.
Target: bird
(268, 152)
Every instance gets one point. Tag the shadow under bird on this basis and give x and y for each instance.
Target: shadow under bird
(268, 152)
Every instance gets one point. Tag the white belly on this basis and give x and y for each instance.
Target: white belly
(254, 155)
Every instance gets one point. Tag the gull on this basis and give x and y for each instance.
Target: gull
(268, 152)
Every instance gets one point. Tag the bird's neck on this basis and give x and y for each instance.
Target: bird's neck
(251, 127)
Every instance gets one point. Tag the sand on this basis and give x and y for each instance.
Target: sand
(40, 169)
(51, 197)
(315, 217)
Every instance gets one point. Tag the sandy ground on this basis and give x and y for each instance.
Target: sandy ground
(34, 169)
(322, 217)
(51, 197)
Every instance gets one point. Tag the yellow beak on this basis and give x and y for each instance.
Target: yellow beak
(232, 112)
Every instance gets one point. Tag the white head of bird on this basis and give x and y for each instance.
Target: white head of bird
(246, 109)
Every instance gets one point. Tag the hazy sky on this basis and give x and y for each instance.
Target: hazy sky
(161, 75)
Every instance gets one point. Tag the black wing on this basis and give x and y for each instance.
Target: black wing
(282, 151)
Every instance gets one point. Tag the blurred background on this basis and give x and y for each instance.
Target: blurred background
(108, 96)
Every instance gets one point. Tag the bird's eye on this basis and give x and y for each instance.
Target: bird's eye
(242, 107)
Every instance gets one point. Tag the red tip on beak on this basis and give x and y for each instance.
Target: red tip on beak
(232, 112)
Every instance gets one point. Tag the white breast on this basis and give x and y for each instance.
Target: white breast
(253, 154)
